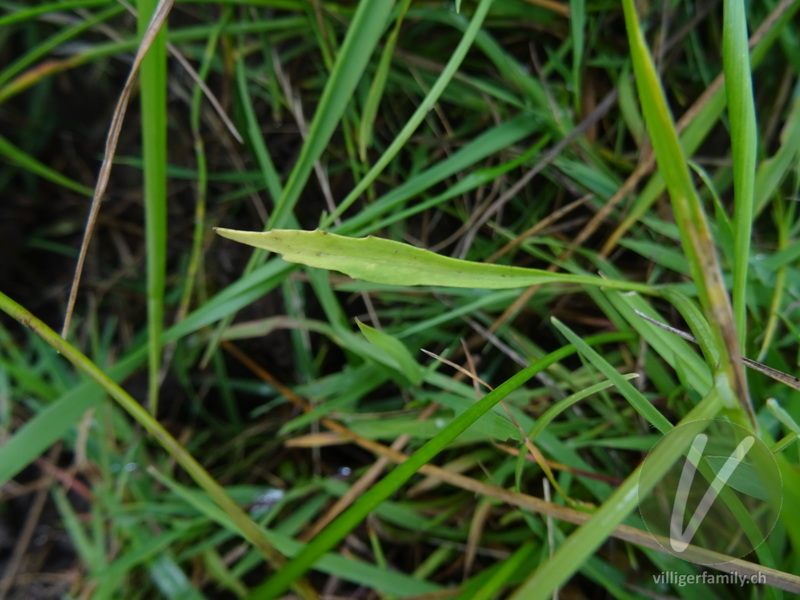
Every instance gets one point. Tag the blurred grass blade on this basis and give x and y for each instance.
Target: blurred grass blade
(695, 236)
(577, 22)
(26, 161)
(742, 477)
(386, 261)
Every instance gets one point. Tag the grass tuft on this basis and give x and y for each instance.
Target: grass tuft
(448, 356)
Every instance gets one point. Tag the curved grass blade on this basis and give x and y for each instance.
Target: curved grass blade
(641, 404)
(419, 115)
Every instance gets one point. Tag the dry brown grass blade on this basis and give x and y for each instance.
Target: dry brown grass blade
(458, 368)
(157, 21)
(556, 7)
(476, 528)
(539, 226)
(364, 482)
(602, 108)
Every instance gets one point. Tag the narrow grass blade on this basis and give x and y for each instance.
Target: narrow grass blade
(26, 161)
(256, 137)
(419, 115)
(641, 404)
(742, 117)
(559, 407)
(486, 144)
(153, 78)
(378, 85)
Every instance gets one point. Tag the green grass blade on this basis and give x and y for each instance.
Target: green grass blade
(484, 145)
(23, 14)
(577, 21)
(26, 161)
(744, 135)
(641, 404)
(256, 137)
(774, 170)
(379, 85)
(559, 407)
(396, 349)
(153, 78)
(47, 46)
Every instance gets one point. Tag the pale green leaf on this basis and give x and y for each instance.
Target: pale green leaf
(389, 262)
(396, 350)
